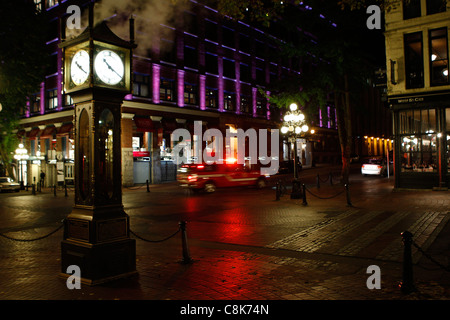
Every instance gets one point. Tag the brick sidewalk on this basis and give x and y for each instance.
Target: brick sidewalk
(326, 259)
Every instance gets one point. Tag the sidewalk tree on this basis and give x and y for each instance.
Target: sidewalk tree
(23, 58)
(336, 51)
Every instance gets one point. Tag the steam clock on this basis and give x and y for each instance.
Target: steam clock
(97, 75)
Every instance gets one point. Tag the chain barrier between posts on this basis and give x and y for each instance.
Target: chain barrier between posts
(34, 239)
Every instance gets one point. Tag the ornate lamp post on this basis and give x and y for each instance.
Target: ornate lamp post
(294, 127)
(21, 154)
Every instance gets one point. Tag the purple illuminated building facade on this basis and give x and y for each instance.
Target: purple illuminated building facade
(201, 66)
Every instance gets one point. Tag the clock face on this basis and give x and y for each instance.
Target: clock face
(109, 67)
(79, 68)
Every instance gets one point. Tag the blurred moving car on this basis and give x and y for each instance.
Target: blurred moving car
(209, 177)
(376, 167)
(8, 184)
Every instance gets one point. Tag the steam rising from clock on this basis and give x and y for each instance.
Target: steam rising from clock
(154, 19)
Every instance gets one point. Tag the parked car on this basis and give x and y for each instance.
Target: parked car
(8, 184)
(209, 177)
(288, 167)
(376, 167)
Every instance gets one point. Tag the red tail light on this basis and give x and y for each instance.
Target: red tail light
(192, 178)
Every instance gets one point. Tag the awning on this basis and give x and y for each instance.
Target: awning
(169, 125)
(48, 133)
(65, 129)
(144, 124)
(33, 133)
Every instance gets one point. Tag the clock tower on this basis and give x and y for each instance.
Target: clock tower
(97, 75)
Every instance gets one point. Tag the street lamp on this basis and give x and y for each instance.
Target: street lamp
(21, 154)
(294, 127)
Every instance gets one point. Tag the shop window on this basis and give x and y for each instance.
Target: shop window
(167, 90)
(141, 85)
(438, 57)
(211, 98)
(418, 140)
(414, 60)
(190, 94)
(411, 9)
(436, 6)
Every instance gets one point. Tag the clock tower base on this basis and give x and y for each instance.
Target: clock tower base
(97, 241)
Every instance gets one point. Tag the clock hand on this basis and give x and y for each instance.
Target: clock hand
(81, 68)
(110, 68)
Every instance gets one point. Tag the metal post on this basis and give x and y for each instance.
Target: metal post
(331, 178)
(54, 190)
(33, 189)
(407, 285)
(349, 203)
(65, 189)
(186, 255)
(304, 195)
(318, 181)
(277, 191)
(148, 187)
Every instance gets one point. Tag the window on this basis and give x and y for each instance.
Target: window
(35, 103)
(228, 37)
(167, 90)
(244, 43)
(190, 94)
(245, 72)
(51, 3)
(229, 68)
(229, 101)
(438, 57)
(246, 104)
(167, 51)
(211, 30)
(261, 107)
(38, 4)
(141, 85)
(411, 9)
(211, 98)
(418, 150)
(211, 63)
(436, 6)
(414, 60)
(190, 23)
(260, 76)
(260, 49)
(52, 99)
(190, 57)
(68, 101)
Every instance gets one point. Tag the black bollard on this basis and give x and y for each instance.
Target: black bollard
(65, 190)
(349, 203)
(331, 178)
(148, 187)
(54, 190)
(318, 182)
(186, 255)
(304, 195)
(33, 189)
(407, 285)
(277, 191)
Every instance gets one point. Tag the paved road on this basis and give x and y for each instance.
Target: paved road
(245, 244)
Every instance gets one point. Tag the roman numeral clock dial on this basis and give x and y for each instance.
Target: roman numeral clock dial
(79, 68)
(109, 67)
